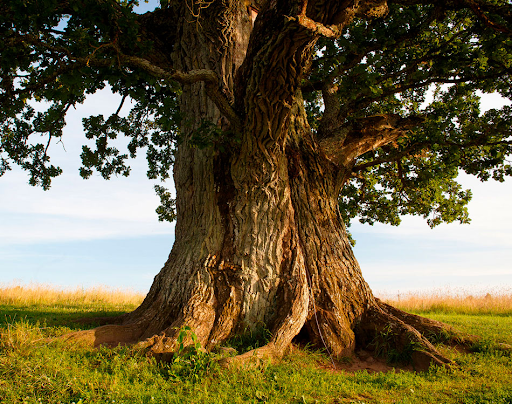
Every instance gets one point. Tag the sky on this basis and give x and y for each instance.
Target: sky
(85, 233)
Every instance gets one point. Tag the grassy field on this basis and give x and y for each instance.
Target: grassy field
(35, 371)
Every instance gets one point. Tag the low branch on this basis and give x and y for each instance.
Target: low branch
(209, 77)
(421, 147)
(364, 102)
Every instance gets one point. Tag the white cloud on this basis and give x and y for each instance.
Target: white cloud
(35, 228)
(122, 198)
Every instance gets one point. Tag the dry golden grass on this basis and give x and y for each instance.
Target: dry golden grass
(34, 294)
(455, 301)
(440, 300)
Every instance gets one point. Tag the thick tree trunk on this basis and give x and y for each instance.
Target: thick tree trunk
(260, 242)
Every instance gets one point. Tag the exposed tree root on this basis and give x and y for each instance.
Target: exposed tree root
(396, 334)
(108, 335)
(383, 329)
(254, 357)
(434, 331)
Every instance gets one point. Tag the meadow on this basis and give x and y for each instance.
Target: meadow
(35, 368)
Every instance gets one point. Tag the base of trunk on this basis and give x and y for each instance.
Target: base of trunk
(383, 330)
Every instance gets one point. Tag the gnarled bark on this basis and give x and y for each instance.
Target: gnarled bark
(259, 238)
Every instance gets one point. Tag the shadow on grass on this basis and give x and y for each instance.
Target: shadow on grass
(72, 317)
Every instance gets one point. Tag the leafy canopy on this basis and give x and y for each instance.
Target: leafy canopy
(424, 60)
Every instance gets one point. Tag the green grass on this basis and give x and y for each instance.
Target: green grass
(491, 328)
(32, 370)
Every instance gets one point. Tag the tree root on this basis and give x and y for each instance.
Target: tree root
(401, 336)
(255, 357)
(432, 330)
(106, 335)
(383, 329)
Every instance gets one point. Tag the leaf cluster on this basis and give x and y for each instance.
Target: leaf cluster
(429, 61)
(53, 54)
(423, 59)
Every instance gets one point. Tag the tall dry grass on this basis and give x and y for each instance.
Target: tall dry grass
(439, 300)
(495, 301)
(41, 294)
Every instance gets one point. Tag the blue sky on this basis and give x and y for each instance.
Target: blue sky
(96, 232)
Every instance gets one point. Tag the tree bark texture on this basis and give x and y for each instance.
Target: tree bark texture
(260, 242)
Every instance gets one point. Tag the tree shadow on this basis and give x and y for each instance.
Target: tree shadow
(48, 317)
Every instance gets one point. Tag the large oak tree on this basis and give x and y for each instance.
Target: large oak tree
(281, 120)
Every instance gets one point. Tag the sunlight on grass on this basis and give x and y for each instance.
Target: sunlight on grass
(34, 294)
(457, 301)
(37, 368)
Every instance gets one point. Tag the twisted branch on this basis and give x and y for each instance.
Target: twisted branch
(209, 77)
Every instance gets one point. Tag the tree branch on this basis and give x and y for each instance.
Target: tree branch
(327, 31)
(365, 9)
(388, 159)
(354, 58)
(209, 77)
(479, 12)
(419, 149)
(365, 134)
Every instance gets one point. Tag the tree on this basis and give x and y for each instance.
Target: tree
(282, 120)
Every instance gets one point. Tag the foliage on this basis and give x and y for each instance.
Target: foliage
(190, 360)
(423, 60)
(166, 211)
(53, 55)
(428, 67)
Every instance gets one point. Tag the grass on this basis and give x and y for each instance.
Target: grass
(37, 294)
(447, 301)
(35, 371)
(56, 307)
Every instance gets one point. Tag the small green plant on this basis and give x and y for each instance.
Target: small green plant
(191, 360)
(382, 342)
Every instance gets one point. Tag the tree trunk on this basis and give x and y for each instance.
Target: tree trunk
(260, 242)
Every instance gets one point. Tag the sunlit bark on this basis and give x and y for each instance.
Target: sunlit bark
(260, 242)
